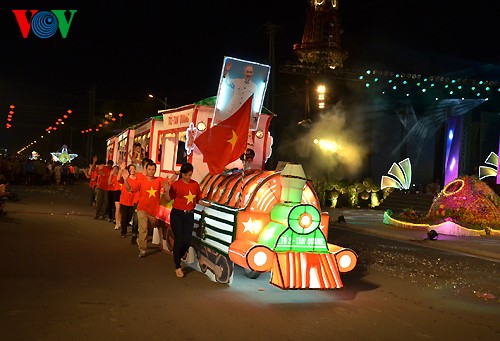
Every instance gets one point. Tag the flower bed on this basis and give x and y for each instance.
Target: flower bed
(465, 207)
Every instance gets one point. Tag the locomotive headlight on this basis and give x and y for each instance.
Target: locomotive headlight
(260, 258)
(345, 261)
(305, 220)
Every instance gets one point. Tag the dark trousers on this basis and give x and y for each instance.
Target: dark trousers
(182, 224)
(135, 222)
(92, 196)
(101, 205)
(127, 213)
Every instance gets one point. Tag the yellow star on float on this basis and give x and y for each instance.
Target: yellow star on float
(190, 197)
(152, 192)
(233, 139)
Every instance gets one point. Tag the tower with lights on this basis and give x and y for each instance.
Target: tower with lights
(319, 52)
(320, 47)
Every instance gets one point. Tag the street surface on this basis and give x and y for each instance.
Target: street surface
(66, 276)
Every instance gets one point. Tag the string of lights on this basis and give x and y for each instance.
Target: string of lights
(409, 84)
(57, 124)
(10, 116)
(108, 119)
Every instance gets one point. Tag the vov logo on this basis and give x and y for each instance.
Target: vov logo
(44, 24)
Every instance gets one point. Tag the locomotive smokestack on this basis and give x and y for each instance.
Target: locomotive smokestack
(293, 180)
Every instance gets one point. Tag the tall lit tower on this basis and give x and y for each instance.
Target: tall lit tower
(320, 47)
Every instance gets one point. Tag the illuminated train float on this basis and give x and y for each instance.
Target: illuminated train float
(264, 221)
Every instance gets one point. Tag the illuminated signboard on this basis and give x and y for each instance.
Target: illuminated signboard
(239, 80)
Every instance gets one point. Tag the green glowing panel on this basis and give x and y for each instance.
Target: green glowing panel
(485, 171)
(280, 211)
(492, 159)
(406, 168)
(270, 234)
(312, 242)
(401, 176)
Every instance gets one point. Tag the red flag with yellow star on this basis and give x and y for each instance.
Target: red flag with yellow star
(226, 141)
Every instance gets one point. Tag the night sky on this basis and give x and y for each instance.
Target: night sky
(175, 49)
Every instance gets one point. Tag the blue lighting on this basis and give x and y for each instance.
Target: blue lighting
(450, 135)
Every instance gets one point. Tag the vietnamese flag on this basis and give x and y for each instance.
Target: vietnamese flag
(226, 141)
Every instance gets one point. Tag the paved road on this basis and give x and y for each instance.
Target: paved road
(67, 276)
(370, 221)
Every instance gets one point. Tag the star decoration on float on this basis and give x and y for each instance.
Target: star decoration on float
(152, 192)
(233, 139)
(252, 226)
(63, 156)
(248, 226)
(190, 197)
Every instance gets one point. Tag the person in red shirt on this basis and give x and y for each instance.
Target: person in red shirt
(127, 199)
(186, 193)
(149, 188)
(91, 174)
(114, 191)
(102, 189)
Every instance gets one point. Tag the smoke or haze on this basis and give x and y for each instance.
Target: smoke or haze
(336, 125)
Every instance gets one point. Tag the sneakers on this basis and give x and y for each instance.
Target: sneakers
(142, 254)
(134, 239)
(117, 227)
(124, 235)
(179, 273)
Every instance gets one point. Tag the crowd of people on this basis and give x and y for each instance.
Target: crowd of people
(18, 170)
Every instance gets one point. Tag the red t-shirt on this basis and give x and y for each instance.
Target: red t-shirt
(127, 198)
(185, 195)
(115, 185)
(93, 179)
(138, 176)
(149, 194)
(102, 181)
